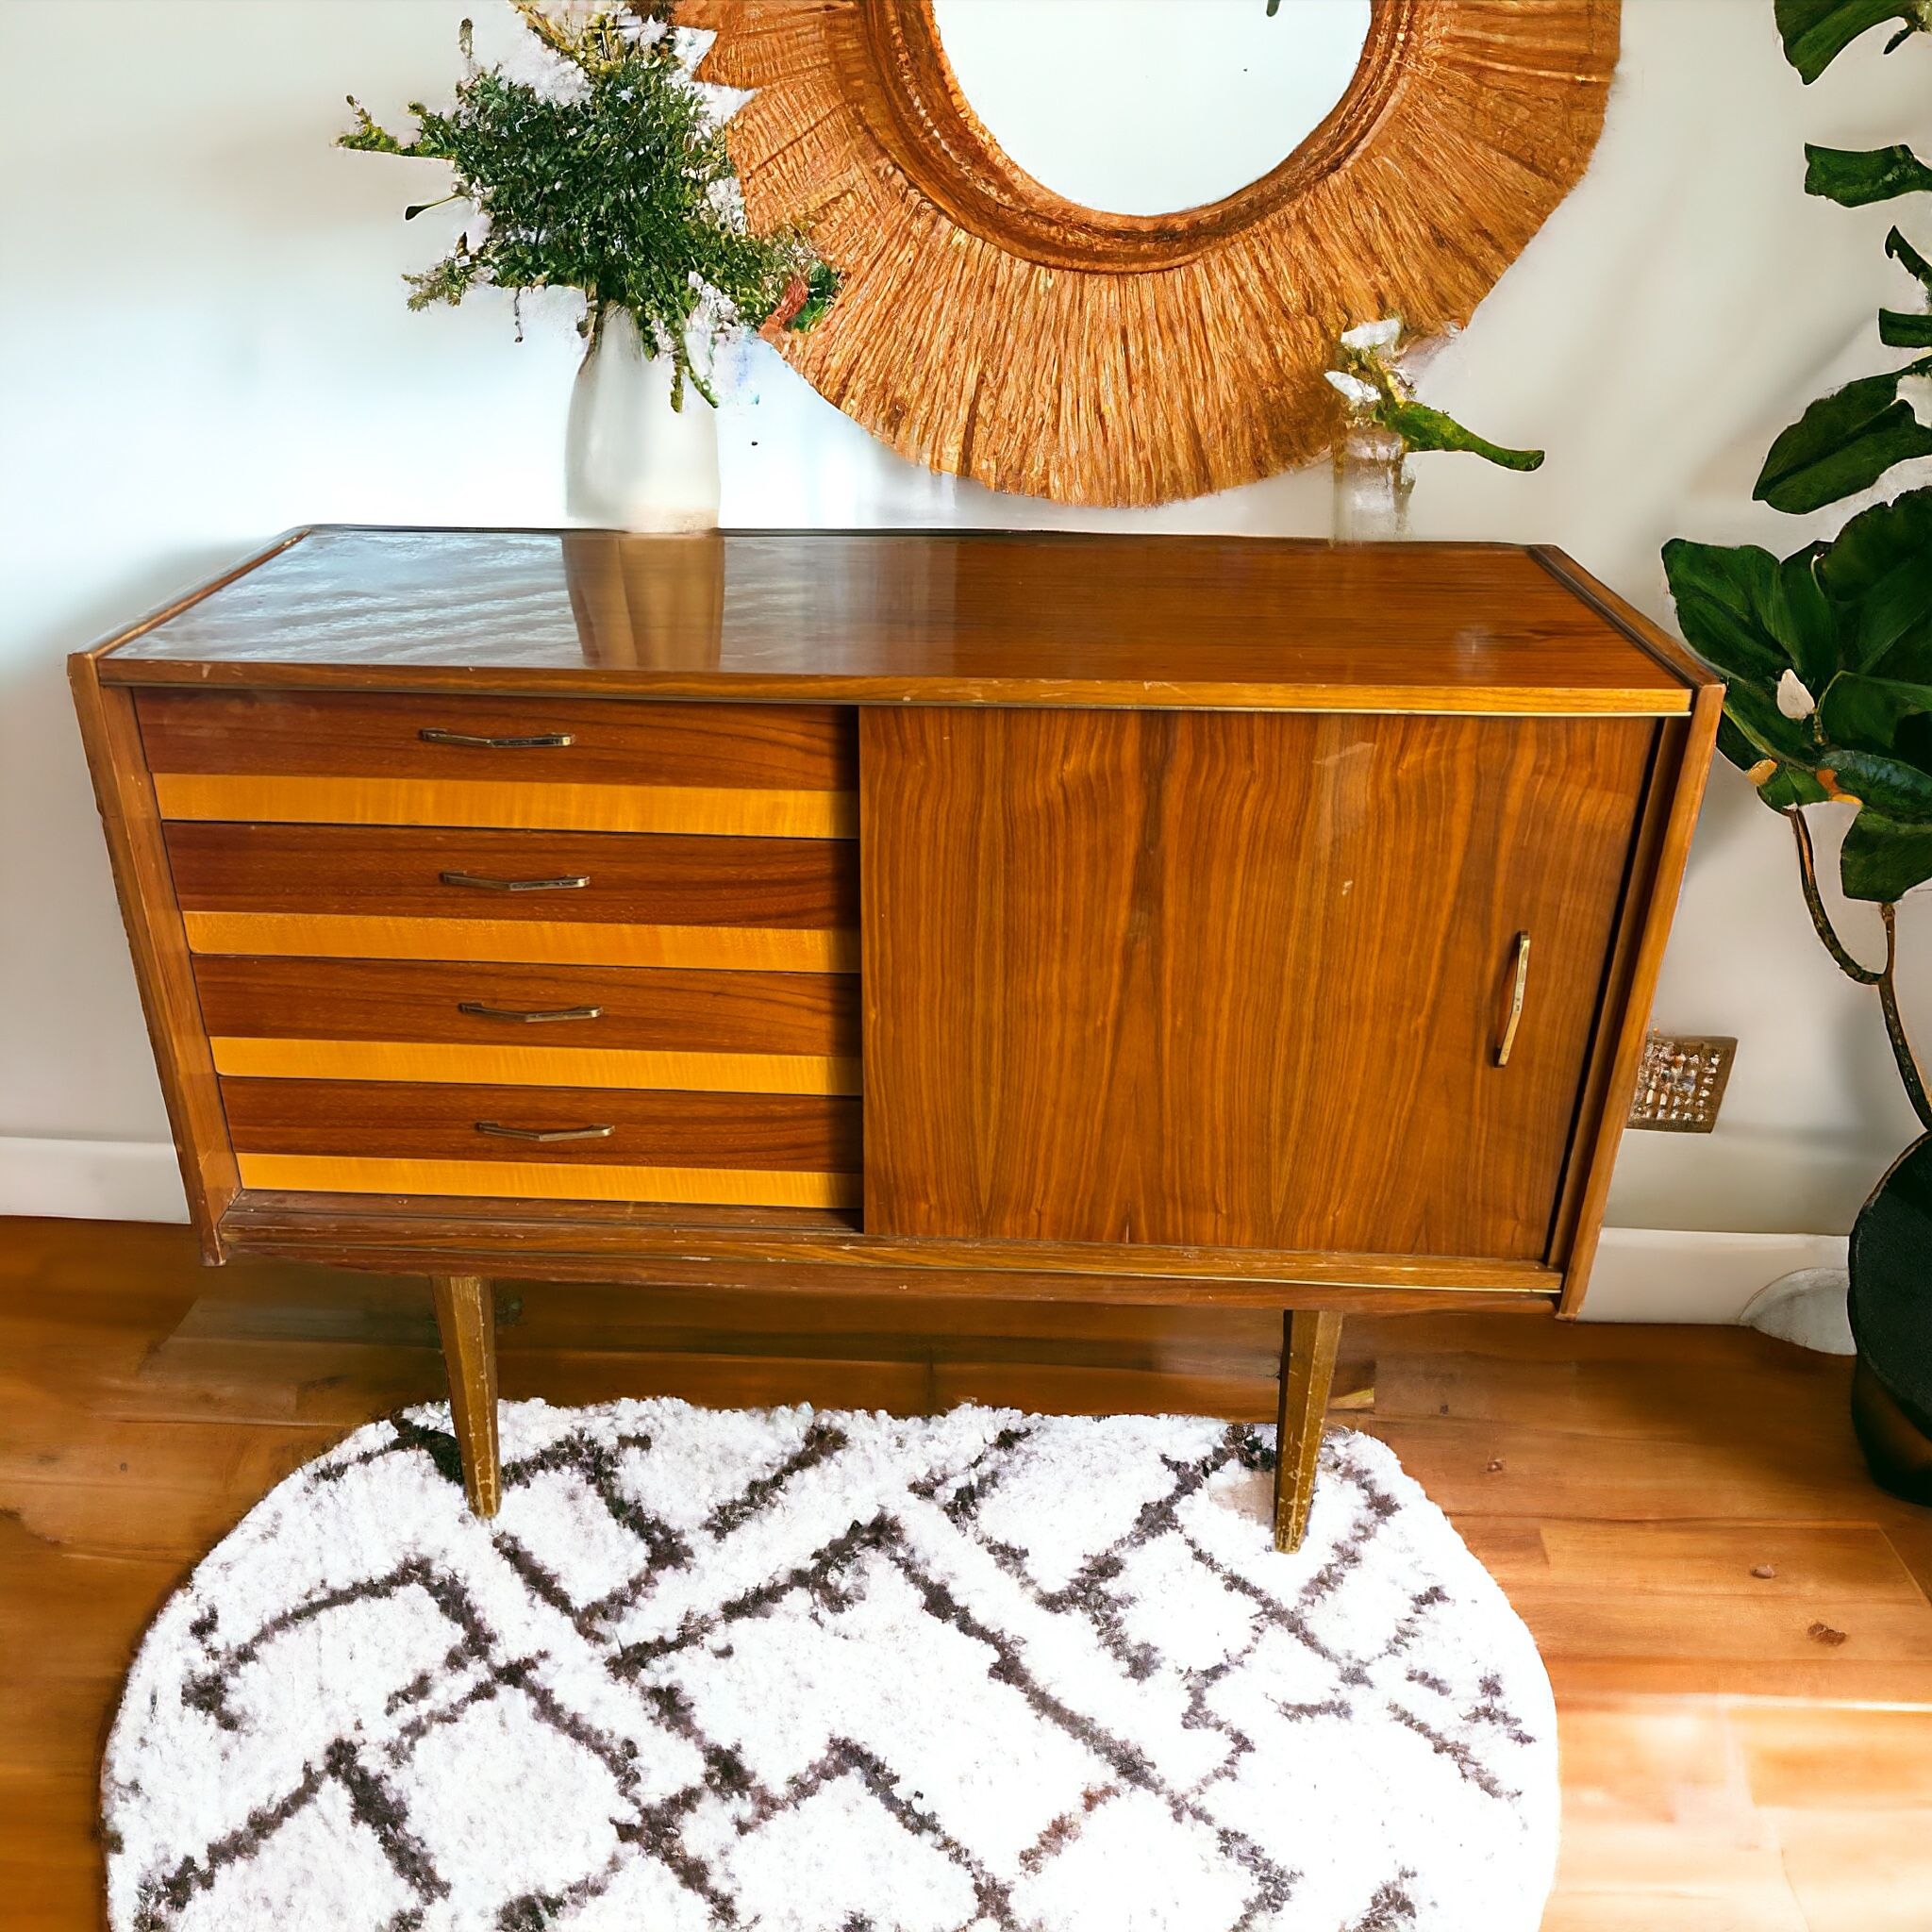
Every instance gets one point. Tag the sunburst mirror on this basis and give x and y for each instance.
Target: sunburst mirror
(1031, 301)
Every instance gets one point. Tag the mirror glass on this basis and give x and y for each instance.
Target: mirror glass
(1148, 107)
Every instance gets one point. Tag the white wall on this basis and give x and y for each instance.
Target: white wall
(204, 341)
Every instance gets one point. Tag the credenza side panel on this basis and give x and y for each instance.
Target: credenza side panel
(163, 967)
(1233, 978)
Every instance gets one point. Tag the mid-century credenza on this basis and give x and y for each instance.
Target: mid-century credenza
(1101, 917)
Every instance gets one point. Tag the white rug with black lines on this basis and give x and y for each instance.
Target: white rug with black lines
(797, 1671)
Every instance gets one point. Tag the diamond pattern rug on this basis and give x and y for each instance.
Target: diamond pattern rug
(789, 1671)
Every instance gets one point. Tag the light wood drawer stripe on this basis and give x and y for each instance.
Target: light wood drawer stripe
(544, 942)
(499, 1180)
(719, 811)
(533, 1066)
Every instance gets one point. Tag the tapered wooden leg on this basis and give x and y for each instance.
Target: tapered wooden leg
(1309, 1338)
(468, 1326)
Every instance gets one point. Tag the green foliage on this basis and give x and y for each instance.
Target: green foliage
(1883, 861)
(1843, 633)
(1855, 177)
(618, 186)
(1899, 330)
(1843, 444)
(1847, 441)
(1367, 375)
(1827, 655)
(1422, 427)
(1816, 32)
(1902, 250)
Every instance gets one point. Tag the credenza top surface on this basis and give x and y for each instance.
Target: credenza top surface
(944, 618)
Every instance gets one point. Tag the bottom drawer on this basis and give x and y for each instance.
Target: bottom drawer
(586, 1143)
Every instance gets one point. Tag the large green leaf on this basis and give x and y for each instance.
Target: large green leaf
(1723, 592)
(1780, 787)
(1884, 860)
(1864, 713)
(1792, 784)
(1736, 747)
(1816, 32)
(1752, 616)
(1854, 178)
(1876, 574)
(1892, 612)
(1899, 330)
(1843, 444)
(1804, 619)
(1903, 252)
(1890, 787)
(1874, 544)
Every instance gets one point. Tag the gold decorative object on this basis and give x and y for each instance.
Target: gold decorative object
(1681, 1082)
(990, 328)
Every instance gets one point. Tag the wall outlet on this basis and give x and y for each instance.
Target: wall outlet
(1680, 1083)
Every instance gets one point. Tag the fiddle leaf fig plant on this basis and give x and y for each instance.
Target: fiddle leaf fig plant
(1826, 655)
(1816, 32)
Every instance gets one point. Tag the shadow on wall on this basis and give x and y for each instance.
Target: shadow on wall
(67, 955)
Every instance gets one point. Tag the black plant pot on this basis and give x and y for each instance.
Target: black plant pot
(1891, 1319)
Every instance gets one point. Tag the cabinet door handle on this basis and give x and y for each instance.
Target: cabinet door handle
(1519, 981)
(574, 882)
(478, 1011)
(504, 1133)
(434, 734)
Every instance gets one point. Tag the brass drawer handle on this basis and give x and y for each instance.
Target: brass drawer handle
(1506, 1044)
(477, 1010)
(433, 734)
(575, 882)
(504, 1133)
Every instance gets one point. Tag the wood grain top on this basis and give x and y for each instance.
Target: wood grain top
(959, 618)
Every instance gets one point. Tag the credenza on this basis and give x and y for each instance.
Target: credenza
(1124, 919)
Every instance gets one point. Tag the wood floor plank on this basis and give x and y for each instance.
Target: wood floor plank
(1858, 1871)
(1852, 1562)
(1837, 1757)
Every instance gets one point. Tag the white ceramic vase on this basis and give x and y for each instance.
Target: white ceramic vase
(631, 461)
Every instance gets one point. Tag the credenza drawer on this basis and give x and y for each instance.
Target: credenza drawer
(557, 1142)
(487, 1024)
(746, 771)
(586, 898)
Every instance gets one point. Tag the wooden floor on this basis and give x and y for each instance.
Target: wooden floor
(1735, 1620)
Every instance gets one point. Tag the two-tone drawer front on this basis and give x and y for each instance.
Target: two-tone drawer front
(530, 1026)
(730, 771)
(563, 898)
(509, 948)
(585, 1144)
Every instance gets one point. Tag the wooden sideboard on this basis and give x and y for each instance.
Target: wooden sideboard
(1103, 918)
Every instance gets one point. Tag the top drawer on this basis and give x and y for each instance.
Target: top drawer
(735, 771)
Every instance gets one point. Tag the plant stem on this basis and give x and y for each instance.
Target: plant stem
(1808, 873)
(1895, 1027)
(1885, 978)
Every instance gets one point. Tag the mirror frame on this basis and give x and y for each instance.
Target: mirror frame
(988, 327)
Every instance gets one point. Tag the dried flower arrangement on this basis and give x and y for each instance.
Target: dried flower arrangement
(609, 175)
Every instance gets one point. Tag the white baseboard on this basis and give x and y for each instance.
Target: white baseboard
(90, 1180)
(1642, 1274)
(1678, 1275)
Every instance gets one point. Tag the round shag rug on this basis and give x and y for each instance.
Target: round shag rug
(789, 1671)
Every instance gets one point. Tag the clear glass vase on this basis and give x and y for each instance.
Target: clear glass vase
(631, 461)
(1373, 484)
